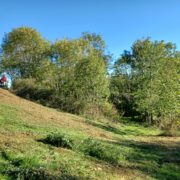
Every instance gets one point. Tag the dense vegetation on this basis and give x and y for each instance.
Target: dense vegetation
(73, 75)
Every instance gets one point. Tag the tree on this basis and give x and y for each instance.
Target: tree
(24, 50)
(166, 109)
(154, 85)
(94, 44)
(65, 55)
(121, 94)
(80, 72)
(92, 85)
(148, 61)
(121, 86)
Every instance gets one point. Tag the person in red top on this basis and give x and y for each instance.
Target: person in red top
(3, 79)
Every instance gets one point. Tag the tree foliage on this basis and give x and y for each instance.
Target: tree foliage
(72, 74)
(24, 51)
(80, 73)
(153, 79)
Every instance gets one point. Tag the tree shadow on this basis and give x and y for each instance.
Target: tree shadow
(156, 160)
(107, 128)
(115, 130)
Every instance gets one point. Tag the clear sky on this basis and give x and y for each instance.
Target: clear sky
(120, 22)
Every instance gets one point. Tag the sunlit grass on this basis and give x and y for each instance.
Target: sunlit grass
(100, 149)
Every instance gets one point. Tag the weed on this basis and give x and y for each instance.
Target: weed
(101, 151)
(59, 140)
(29, 174)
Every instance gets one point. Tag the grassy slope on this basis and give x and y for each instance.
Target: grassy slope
(141, 153)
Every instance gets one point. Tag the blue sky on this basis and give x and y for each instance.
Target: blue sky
(120, 22)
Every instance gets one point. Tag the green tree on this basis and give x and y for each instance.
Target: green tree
(65, 55)
(80, 72)
(92, 85)
(153, 72)
(94, 44)
(148, 61)
(24, 50)
(121, 86)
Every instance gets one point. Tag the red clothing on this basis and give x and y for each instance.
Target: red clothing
(3, 79)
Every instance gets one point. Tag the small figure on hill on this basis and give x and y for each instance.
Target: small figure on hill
(3, 80)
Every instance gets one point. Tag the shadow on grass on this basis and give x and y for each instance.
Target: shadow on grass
(58, 140)
(156, 160)
(115, 130)
(106, 127)
(13, 169)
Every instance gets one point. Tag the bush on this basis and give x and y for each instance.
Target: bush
(22, 168)
(59, 140)
(30, 89)
(110, 111)
(29, 174)
(25, 87)
(170, 126)
(101, 151)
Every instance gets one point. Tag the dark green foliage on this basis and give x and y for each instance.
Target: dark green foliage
(30, 89)
(25, 88)
(19, 168)
(29, 174)
(81, 85)
(170, 127)
(69, 75)
(121, 94)
(91, 85)
(110, 112)
(145, 83)
(91, 147)
(25, 168)
(101, 151)
(59, 140)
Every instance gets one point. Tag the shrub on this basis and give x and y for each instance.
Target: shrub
(59, 140)
(23, 168)
(101, 151)
(29, 174)
(25, 87)
(170, 126)
(110, 111)
(30, 89)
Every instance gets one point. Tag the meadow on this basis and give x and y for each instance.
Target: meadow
(38, 142)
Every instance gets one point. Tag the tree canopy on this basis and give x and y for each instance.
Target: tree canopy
(152, 79)
(24, 51)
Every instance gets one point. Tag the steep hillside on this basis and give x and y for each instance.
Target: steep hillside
(99, 149)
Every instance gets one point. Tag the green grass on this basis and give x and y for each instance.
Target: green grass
(94, 150)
